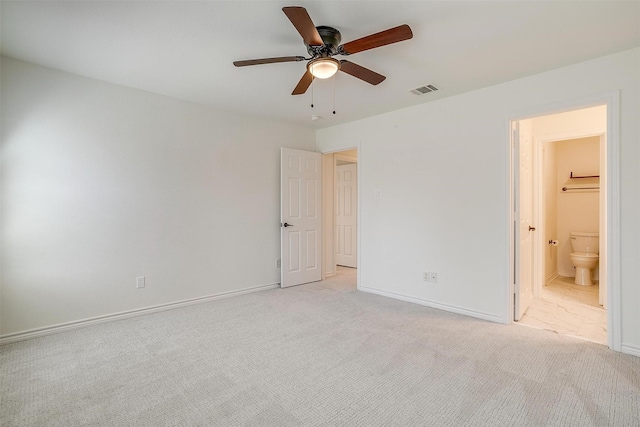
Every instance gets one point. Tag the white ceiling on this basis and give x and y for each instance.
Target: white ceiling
(185, 49)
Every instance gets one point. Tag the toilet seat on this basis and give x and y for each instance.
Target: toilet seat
(584, 255)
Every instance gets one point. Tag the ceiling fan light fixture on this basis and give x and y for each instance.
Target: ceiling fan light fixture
(323, 68)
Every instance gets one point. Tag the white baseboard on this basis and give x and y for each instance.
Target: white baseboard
(630, 349)
(48, 330)
(571, 273)
(551, 278)
(439, 306)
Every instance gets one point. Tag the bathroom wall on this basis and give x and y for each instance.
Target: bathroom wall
(550, 200)
(577, 210)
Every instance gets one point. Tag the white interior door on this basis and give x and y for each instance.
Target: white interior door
(300, 219)
(346, 205)
(524, 229)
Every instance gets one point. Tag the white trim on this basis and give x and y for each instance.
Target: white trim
(338, 156)
(563, 136)
(437, 305)
(551, 278)
(509, 307)
(612, 101)
(614, 309)
(359, 217)
(630, 349)
(602, 225)
(563, 273)
(61, 327)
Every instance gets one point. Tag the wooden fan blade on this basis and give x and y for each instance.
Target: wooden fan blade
(303, 23)
(303, 84)
(392, 35)
(268, 60)
(361, 72)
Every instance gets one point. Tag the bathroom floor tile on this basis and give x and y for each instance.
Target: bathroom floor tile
(568, 309)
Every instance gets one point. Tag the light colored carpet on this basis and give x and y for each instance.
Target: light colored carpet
(318, 354)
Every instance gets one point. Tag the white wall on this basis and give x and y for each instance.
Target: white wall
(443, 169)
(102, 183)
(577, 210)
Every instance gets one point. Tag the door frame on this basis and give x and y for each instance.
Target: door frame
(328, 244)
(612, 162)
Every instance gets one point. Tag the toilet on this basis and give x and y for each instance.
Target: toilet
(584, 256)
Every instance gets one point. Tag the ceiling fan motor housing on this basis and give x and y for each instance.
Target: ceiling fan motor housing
(331, 39)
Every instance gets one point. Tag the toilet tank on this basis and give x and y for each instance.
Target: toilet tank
(582, 241)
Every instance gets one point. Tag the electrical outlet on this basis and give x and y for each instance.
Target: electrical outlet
(140, 282)
(278, 264)
(429, 276)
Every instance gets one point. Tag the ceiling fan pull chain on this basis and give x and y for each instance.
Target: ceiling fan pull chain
(312, 85)
(335, 77)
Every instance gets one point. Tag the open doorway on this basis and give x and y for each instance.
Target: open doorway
(340, 221)
(560, 175)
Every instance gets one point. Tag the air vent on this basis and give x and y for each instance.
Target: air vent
(424, 89)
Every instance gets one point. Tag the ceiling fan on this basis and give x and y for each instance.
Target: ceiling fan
(323, 43)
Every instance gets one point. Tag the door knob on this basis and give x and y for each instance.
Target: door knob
(532, 228)
(287, 225)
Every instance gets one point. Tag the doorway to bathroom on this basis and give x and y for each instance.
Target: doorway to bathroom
(559, 171)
